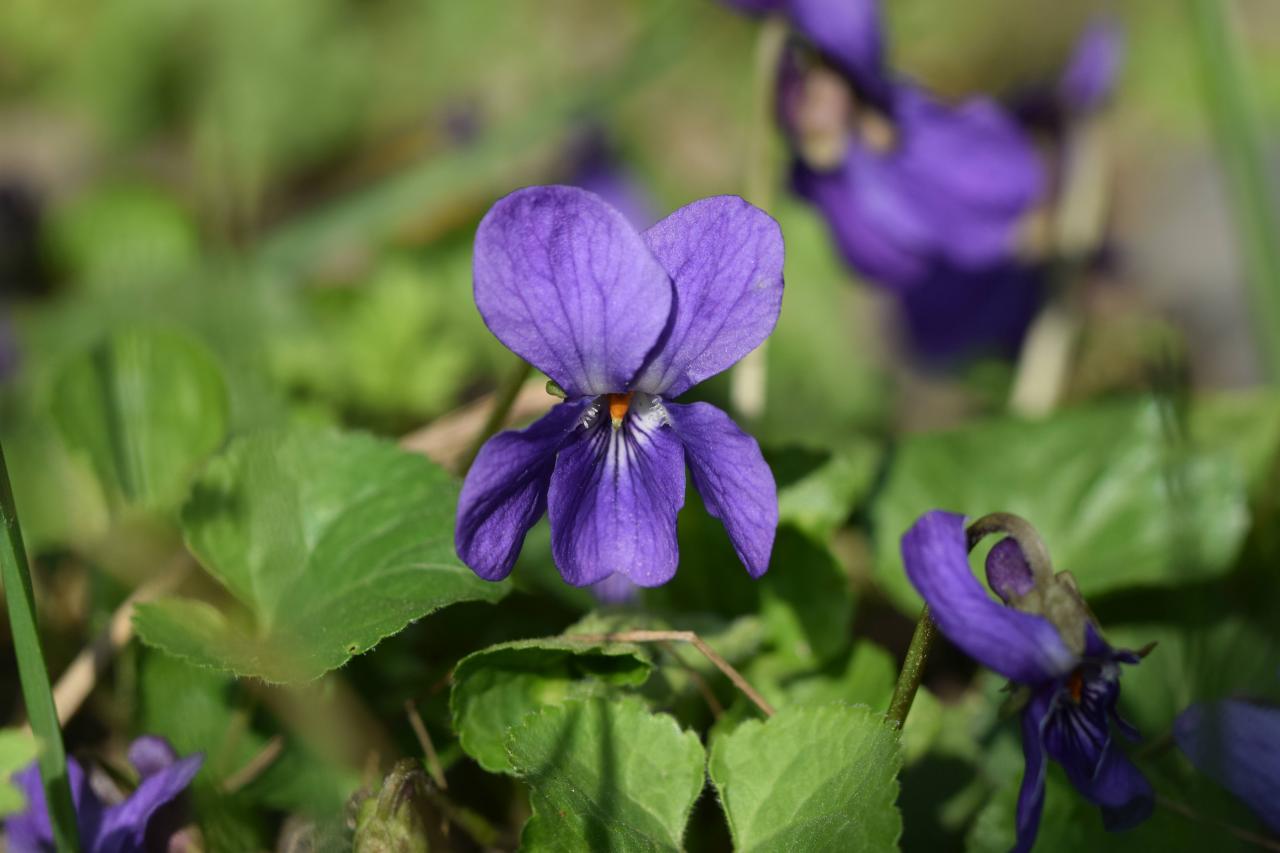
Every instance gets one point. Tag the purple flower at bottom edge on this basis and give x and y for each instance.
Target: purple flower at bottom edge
(623, 322)
(1073, 694)
(1236, 744)
(120, 828)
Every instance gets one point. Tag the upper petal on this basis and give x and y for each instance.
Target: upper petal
(505, 491)
(613, 503)
(725, 258)
(849, 33)
(125, 826)
(568, 284)
(735, 482)
(151, 754)
(1020, 646)
(1237, 744)
(1008, 573)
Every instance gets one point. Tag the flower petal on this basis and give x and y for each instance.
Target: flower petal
(1120, 789)
(1031, 793)
(31, 831)
(567, 283)
(125, 826)
(1008, 573)
(613, 502)
(725, 259)
(735, 482)
(1087, 81)
(849, 34)
(956, 313)
(505, 491)
(150, 754)
(1237, 744)
(1020, 646)
(972, 172)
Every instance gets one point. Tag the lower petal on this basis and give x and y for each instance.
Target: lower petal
(505, 492)
(613, 502)
(125, 825)
(1120, 789)
(1031, 794)
(735, 482)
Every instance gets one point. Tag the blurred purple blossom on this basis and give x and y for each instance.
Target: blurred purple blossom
(1236, 744)
(119, 828)
(1071, 675)
(624, 322)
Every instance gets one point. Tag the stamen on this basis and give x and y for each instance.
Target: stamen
(618, 406)
(1075, 686)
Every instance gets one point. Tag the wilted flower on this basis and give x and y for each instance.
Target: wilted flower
(1236, 744)
(623, 322)
(1044, 639)
(119, 828)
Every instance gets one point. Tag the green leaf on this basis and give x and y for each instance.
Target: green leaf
(606, 776)
(331, 542)
(17, 750)
(1245, 424)
(146, 407)
(817, 497)
(493, 689)
(810, 778)
(806, 602)
(1117, 505)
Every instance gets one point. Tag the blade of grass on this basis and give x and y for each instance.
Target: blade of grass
(1240, 146)
(36, 692)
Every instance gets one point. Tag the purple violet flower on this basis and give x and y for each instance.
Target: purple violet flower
(120, 828)
(1236, 744)
(904, 181)
(623, 322)
(1043, 639)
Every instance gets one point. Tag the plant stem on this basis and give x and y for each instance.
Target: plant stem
(909, 678)
(36, 693)
(748, 381)
(694, 640)
(1240, 147)
(505, 398)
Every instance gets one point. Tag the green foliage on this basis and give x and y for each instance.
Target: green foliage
(806, 602)
(146, 407)
(1117, 504)
(495, 688)
(330, 541)
(17, 750)
(606, 775)
(810, 778)
(817, 495)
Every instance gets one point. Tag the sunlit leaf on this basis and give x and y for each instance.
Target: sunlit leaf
(606, 776)
(330, 542)
(146, 407)
(1118, 503)
(495, 688)
(810, 778)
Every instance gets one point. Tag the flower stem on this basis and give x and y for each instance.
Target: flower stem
(909, 678)
(36, 693)
(1240, 147)
(748, 381)
(505, 398)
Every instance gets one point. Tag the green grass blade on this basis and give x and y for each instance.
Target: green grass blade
(1240, 144)
(36, 692)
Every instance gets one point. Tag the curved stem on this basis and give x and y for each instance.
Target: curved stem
(1022, 532)
(904, 692)
(36, 693)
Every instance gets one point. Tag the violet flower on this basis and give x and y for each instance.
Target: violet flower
(1236, 744)
(120, 828)
(1043, 639)
(623, 322)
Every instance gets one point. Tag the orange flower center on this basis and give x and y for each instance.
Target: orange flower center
(1075, 686)
(618, 406)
